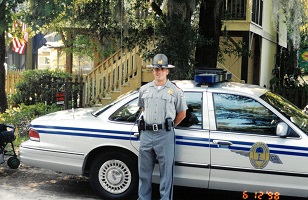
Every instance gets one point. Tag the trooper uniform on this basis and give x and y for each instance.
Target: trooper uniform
(157, 142)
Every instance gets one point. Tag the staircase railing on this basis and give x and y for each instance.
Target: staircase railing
(109, 76)
(121, 72)
(234, 78)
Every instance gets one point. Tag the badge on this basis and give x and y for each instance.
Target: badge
(170, 91)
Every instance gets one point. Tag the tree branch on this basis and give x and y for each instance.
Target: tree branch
(156, 9)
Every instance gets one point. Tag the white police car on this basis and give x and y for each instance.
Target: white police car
(236, 137)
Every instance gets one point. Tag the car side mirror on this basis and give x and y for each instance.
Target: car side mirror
(282, 129)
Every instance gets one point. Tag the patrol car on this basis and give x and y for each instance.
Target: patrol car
(235, 137)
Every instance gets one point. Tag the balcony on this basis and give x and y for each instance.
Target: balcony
(234, 9)
(238, 9)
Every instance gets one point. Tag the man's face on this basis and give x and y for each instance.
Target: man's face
(160, 74)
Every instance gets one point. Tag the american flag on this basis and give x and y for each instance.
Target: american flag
(19, 44)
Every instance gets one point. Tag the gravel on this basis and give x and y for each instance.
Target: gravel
(40, 184)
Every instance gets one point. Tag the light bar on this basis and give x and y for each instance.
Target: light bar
(209, 76)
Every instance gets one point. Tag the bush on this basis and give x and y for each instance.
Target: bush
(21, 116)
(39, 86)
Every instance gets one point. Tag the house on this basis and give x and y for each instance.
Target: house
(49, 56)
(251, 22)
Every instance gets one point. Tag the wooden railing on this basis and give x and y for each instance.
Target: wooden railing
(234, 9)
(11, 79)
(121, 72)
(233, 78)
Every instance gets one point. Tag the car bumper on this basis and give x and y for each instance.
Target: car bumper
(59, 161)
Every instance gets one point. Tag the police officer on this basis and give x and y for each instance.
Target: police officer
(164, 107)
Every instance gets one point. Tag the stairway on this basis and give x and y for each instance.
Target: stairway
(121, 72)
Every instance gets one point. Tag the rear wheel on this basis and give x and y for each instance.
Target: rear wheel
(115, 176)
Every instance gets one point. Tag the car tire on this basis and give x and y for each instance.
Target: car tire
(115, 176)
(13, 162)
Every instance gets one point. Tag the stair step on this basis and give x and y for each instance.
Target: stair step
(114, 94)
(106, 100)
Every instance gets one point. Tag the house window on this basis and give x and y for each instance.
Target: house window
(234, 9)
(257, 11)
(43, 61)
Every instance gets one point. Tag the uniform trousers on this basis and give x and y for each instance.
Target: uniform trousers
(158, 145)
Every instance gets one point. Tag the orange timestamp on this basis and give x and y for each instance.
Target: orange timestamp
(261, 195)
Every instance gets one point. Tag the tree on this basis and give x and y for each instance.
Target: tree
(167, 25)
(3, 100)
(209, 30)
(84, 25)
(294, 15)
(7, 8)
(188, 32)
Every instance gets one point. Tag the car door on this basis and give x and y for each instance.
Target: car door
(246, 154)
(192, 145)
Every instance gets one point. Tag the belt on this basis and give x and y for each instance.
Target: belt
(154, 127)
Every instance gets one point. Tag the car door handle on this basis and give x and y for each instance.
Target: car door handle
(137, 134)
(222, 142)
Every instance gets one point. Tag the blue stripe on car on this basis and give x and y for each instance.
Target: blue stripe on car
(180, 140)
(73, 131)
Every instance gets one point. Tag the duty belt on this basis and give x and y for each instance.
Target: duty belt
(154, 127)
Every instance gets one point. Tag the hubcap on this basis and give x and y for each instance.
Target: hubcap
(114, 176)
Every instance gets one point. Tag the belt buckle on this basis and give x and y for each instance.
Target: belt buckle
(155, 127)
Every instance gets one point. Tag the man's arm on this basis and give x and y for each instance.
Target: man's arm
(179, 117)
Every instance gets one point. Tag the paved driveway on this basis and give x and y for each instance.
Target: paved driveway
(27, 183)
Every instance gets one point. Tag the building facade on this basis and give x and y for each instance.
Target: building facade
(251, 22)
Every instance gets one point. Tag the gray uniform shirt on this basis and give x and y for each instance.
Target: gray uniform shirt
(162, 103)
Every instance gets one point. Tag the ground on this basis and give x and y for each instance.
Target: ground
(28, 183)
(35, 183)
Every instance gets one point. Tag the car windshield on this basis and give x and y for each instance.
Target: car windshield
(288, 109)
(120, 98)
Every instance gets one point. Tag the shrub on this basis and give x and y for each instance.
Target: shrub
(21, 116)
(39, 86)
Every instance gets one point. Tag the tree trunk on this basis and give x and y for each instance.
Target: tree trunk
(177, 37)
(3, 99)
(69, 53)
(209, 30)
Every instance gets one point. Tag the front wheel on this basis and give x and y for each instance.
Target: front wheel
(115, 176)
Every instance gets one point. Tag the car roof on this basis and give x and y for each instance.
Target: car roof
(225, 86)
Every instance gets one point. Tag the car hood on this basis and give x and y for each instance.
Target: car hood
(72, 114)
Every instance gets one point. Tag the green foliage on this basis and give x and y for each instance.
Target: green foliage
(21, 116)
(10, 7)
(230, 48)
(39, 86)
(174, 37)
(178, 44)
(94, 24)
(50, 15)
(295, 18)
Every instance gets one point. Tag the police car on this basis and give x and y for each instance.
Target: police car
(235, 137)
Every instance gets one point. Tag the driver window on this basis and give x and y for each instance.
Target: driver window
(193, 117)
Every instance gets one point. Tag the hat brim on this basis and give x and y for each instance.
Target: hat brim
(164, 67)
